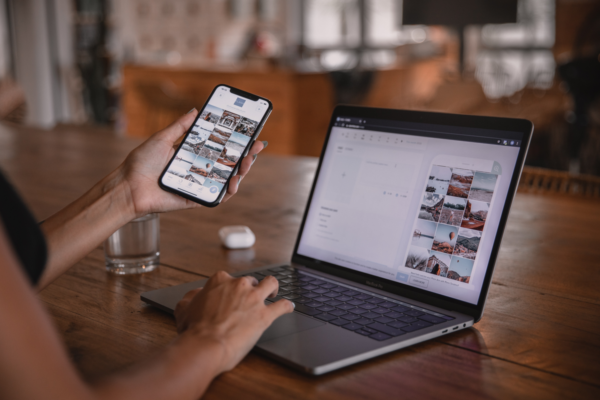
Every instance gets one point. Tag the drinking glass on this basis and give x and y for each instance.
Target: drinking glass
(134, 248)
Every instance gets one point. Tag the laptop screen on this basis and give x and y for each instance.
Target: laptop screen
(415, 203)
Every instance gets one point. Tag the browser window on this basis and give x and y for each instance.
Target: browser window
(415, 203)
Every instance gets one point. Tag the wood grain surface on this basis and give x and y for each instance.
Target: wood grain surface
(538, 337)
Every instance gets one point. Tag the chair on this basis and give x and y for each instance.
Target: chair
(547, 181)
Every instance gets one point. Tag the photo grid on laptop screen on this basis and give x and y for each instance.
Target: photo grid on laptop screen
(418, 204)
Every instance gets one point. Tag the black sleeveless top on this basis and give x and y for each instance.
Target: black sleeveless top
(23, 232)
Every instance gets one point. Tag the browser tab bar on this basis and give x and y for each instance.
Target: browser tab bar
(499, 138)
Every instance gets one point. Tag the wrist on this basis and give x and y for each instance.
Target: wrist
(116, 188)
(212, 351)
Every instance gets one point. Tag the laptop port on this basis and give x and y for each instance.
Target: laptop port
(455, 328)
(444, 331)
(464, 325)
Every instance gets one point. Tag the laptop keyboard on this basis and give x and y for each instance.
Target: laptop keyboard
(354, 309)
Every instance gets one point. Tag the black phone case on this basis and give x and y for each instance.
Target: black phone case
(234, 172)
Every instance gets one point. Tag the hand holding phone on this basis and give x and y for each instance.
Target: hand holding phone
(213, 148)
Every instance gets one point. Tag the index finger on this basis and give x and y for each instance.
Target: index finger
(268, 287)
(245, 166)
(246, 163)
(279, 308)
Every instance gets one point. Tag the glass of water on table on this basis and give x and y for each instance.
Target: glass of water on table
(134, 248)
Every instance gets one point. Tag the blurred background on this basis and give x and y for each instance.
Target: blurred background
(133, 66)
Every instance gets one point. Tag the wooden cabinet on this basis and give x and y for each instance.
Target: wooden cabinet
(155, 96)
(303, 102)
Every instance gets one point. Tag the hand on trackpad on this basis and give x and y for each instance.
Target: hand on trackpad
(289, 324)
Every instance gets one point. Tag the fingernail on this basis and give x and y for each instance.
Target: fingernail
(265, 144)
(293, 304)
(191, 110)
(254, 157)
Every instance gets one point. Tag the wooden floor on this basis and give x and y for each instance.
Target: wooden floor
(539, 336)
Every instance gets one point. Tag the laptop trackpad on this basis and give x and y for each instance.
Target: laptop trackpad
(288, 324)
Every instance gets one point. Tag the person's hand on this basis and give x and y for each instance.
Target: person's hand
(232, 312)
(142, 168)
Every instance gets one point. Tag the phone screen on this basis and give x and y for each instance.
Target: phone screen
(215, 144)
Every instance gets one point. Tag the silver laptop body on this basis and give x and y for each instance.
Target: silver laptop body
(399, 238)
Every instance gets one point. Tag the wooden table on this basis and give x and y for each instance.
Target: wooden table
(539, 337)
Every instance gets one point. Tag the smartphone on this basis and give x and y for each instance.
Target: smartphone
(213, 148)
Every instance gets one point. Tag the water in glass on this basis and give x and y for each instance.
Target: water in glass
(134, 248)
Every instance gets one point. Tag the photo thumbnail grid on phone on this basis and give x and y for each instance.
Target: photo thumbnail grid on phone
(213, 147)
(450, 222)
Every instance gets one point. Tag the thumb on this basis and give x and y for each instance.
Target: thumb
(279, 308)
(174, 131)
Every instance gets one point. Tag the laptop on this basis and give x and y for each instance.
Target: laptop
(399, 237)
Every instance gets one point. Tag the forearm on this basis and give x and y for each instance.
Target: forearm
(181, 371)
(35, 365)
(77, 229)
